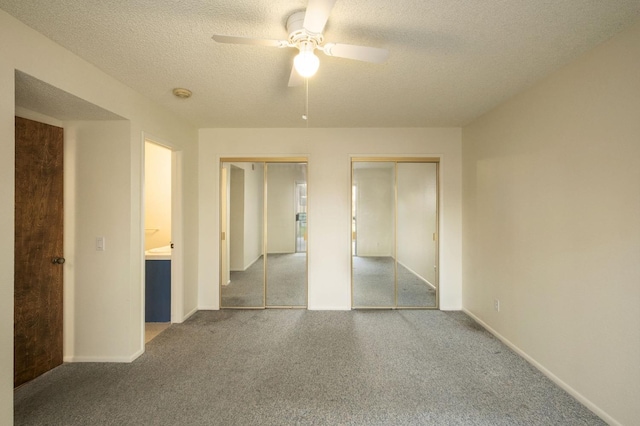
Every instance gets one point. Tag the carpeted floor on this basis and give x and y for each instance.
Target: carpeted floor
(246, 287)
(281, 367)
(287, 279)
(373, 285)
(286, 283)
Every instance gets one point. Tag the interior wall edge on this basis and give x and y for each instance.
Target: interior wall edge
(188, 315)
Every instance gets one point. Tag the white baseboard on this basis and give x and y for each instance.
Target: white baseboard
(417, 275)
(208, 308)
(188, 315)
(119, 359)
(571, 391)
(450, 308)
(328, 308)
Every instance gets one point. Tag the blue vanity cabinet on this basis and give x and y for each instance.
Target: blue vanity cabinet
(158, 291)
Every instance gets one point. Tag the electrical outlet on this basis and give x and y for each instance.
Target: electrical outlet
(496, 305)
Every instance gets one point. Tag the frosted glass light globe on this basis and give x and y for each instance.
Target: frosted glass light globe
(306, 63)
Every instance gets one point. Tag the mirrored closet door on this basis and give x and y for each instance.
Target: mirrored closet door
(263, 241)
(394, 232)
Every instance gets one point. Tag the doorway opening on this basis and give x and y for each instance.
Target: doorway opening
(157, 238)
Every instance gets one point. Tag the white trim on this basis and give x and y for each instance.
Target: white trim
(416, 274)
(247, 266)
(119, 359)
(328, 308)
(208, 308)
(571, 391)
(141, 247)
(189, 314)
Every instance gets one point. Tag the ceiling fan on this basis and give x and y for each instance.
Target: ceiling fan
(305, 33)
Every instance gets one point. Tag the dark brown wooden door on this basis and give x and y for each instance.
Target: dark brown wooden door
(38, 246)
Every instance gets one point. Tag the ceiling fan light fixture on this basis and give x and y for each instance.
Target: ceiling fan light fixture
(306, 63)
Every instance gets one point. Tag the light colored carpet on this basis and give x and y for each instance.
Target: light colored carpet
(286, 283)
(287, 279)
(285, 367)
(373, 285)
(246, 288)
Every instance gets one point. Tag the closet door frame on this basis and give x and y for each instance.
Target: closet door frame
(396, 161)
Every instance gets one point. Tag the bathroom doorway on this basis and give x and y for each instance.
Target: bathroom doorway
(158, 244)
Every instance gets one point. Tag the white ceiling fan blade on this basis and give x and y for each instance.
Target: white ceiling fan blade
(360, 53)
(295, 79)
(317, 14)
(248, 40)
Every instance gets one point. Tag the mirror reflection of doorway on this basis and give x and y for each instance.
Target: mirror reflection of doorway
(263, 212)
(394, 233)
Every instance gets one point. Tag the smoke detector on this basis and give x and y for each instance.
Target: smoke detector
(182, 93)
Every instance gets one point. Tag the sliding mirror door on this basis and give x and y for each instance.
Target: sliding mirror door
(373, 276)
(286, 235)
(243, 212)
(417, 232)
(394, 234)
(263, 206)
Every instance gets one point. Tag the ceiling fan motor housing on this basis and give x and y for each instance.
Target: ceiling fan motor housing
(298, 34)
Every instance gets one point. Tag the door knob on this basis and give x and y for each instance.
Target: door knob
(57, 260)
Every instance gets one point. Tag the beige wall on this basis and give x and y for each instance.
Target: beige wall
(97, 177)
(253, 212)
(552, 225)
(118, 315)
(236, 219)
(329, 153)
(157, 196)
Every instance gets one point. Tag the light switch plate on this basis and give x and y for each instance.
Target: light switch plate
(100, 246)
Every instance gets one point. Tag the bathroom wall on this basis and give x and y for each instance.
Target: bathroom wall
(157, 195)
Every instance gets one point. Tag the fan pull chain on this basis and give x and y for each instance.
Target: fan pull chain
(305, 116)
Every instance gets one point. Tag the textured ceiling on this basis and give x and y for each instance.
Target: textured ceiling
(450, 61)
